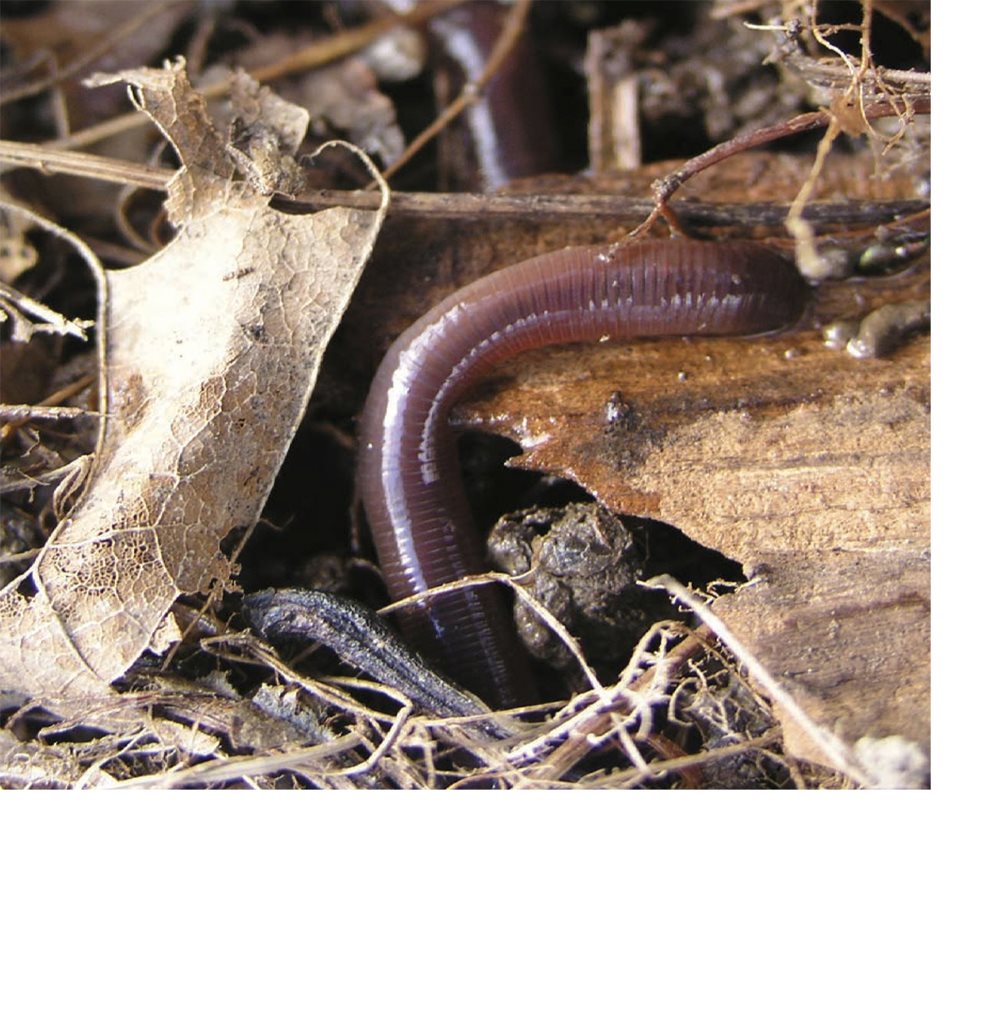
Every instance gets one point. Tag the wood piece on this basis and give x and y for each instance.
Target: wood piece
(807, 466)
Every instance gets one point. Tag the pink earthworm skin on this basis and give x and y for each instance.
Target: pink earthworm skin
(408, 471)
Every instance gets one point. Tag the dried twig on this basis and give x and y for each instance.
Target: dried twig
(472, 206)
(833, 748)
(322, 52)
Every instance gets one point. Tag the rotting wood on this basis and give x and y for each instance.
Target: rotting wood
(807, 466)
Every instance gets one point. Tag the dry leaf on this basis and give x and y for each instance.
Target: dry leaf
(808, 467)
(213, 349)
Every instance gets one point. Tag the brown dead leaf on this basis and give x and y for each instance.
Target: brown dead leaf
(808, 467)
(213, 348)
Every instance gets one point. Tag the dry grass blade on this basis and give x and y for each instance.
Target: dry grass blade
(839, 755)
(231, 768)
(542, 612)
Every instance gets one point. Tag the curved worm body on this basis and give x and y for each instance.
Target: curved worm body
(408, 470)
(510, 125)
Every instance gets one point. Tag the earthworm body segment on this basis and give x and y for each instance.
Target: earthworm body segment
(409, 478)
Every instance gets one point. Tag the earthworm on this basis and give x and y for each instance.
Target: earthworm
(408, 470)
(510, 125)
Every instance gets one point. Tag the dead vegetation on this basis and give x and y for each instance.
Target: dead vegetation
(158, 360)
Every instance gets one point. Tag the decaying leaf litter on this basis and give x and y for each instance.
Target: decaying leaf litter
(624, 711)
(205, 385)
